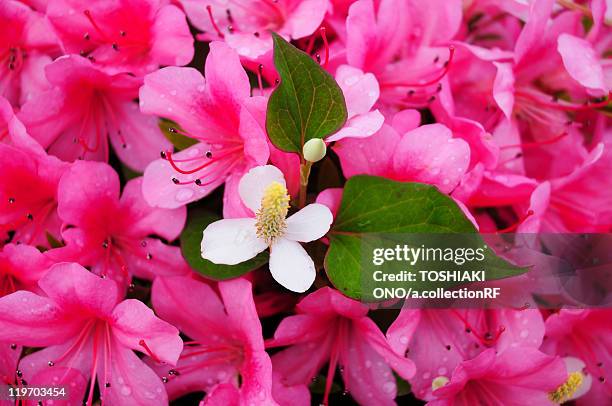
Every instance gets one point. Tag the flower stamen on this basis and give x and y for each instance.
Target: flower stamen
(271, 215)
(564, 392)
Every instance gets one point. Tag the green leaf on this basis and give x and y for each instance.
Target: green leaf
(307, 104)
(191, 239)
(179, 141)
(377, 212)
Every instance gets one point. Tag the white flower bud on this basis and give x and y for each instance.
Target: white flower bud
(314, 150)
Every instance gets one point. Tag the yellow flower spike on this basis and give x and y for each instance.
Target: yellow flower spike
(271, 215)
(564, 392)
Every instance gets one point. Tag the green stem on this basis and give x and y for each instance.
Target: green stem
(304, 175)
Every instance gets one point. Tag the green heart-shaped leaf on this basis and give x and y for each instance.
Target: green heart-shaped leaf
(307, 103)
(378, 212)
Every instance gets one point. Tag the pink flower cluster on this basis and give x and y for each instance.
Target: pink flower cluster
(503, 105)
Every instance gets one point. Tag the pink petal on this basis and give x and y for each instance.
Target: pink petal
(430, 154)
(373, 38)
(132, 382)
(360, 126)
(226, 80)
(173, 43)
(538, 204)
(503, 88)
(167, 223)
(371, 155)
(71, 287)
(145, 140)
(533, 31)
(25, 263)
(366, 375)
(179, 300)
(85, 190)
(159, 190)
(330, 302)
(174, 93)
(29, 319)
(289, 395)
(156, 259)
(360, 89)
(73, 382)
(406, 120)
(289, 164)
(438, 20)
(253, 130)
(305, 18)
(232, 203)
(256, 370)
(134, 322)
(331, 198)
(223, 395)
(581, 62)
(375, 338)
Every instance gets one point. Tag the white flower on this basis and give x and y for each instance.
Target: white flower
(232, 241)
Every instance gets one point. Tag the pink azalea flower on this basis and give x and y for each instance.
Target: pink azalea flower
(85, 326)
(123, 36)
(227, 341)
(28, 194)
(216, 111)
(87, 107)
(25, 40)
(514, 377)
(399, 42)
(331, 327)
(245, 25)
(438, 340)
(585, 335)
(232, 241)
(404, 151)
(112, 234)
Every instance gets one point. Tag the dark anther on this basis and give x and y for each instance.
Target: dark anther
(175, 181)
(198, 182)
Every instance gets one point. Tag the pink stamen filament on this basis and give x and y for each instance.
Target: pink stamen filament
(213, 22)
(431, 82)
(563, 106)
(333, 359)
(488, 342)
(217, 156)
(259, 80)
(326, 45)
(94, 367)
(151, 354)
(536, 144)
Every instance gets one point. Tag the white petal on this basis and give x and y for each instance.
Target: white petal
(291, 266)
(231, 241)
(309, 224)
(254, 183)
